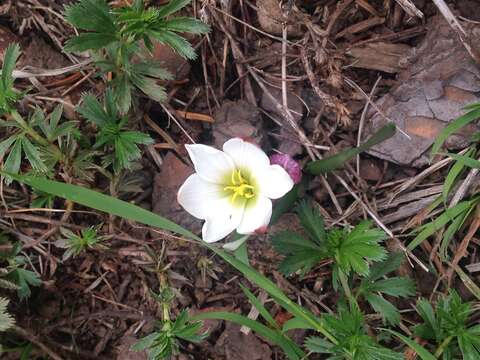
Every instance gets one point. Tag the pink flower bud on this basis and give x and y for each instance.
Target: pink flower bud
(291, 166)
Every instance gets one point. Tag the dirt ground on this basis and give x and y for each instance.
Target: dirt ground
(351, 66)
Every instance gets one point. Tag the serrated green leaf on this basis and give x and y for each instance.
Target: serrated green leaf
(185, 24)
(172, 7)
(390, 264)
(384, 307)
(93, 111)
(89, 41)
(300, 253)
(33, 156)
(150, 87)
(6, 320)
(311, 221)
(395, 286)
(176, 42)
(10, 58)
(92, 15)
(12, 164)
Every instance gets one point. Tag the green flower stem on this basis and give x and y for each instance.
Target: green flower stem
(346, 288)
(443, 346)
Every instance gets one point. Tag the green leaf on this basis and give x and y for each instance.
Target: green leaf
(89, 41)
(5, 144)
(354, 251)
(11, 56)
(384, 307)
(12, 164)
(337, 161)
(300, 254)
(6, 320)
(465, 160)
(274, 291)
(470, 346)
(185, 24)
(150, 87)
(259, 306)
(153, 69)
(296, 323)
(93, 111)
(311, 221)
(288, 346)
(101, 202)
(241, 253)
(419, 349)
(390, 264)
(318, 345)
(434, 226)
(33, 156)
(395, 286)
(172, 7)
(453, 174)
(456, 125)
(450, 232)
(176, 42)
(91, 15)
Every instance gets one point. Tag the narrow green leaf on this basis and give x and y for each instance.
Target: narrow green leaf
(454, 126)
(296, 323)
(440, 222)
(289, 347)
(337, 161)
(465, 160)
(453, 174)
(101, 202)
(259, 306)
(419, 349)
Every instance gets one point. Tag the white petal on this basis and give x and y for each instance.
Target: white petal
(196, 196)
(246, 155)
(256, 215)
(273, 181)
(211, 164)
(222, 220)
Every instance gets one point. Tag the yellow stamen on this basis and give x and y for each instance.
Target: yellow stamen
(240, 187)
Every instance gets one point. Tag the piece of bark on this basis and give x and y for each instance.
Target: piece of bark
(237, 119)
(439, 82)
(381, 56)
(271, 17)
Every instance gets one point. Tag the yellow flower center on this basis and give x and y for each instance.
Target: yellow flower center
(240, 187)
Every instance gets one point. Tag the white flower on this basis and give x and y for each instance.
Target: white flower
(232, 189)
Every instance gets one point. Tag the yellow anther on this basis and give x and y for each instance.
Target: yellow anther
(240, 187)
